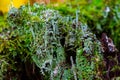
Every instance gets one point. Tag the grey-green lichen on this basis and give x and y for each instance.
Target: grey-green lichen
(45, 37)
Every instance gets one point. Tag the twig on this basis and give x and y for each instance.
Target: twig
(73, 68)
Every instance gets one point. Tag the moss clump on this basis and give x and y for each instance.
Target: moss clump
(42, 44)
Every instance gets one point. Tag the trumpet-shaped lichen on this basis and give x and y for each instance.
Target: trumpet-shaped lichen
(46, 38)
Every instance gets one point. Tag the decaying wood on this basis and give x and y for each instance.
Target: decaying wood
(111, 58)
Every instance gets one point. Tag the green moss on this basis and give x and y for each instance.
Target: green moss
(42, 37)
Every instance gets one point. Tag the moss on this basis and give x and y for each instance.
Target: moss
(43, 39)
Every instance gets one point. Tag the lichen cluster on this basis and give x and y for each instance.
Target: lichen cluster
(41, 37)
